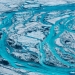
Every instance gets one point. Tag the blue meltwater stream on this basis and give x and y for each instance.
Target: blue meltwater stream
(61, 20)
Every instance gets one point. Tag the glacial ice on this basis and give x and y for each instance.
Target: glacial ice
(37, 37)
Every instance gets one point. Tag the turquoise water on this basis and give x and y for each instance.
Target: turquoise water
(50, 39)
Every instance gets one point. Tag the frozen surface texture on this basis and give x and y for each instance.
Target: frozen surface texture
(37, 37)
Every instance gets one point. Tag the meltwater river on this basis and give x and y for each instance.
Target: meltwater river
(60, 20)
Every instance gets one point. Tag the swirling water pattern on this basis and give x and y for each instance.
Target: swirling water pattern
(39, 39)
